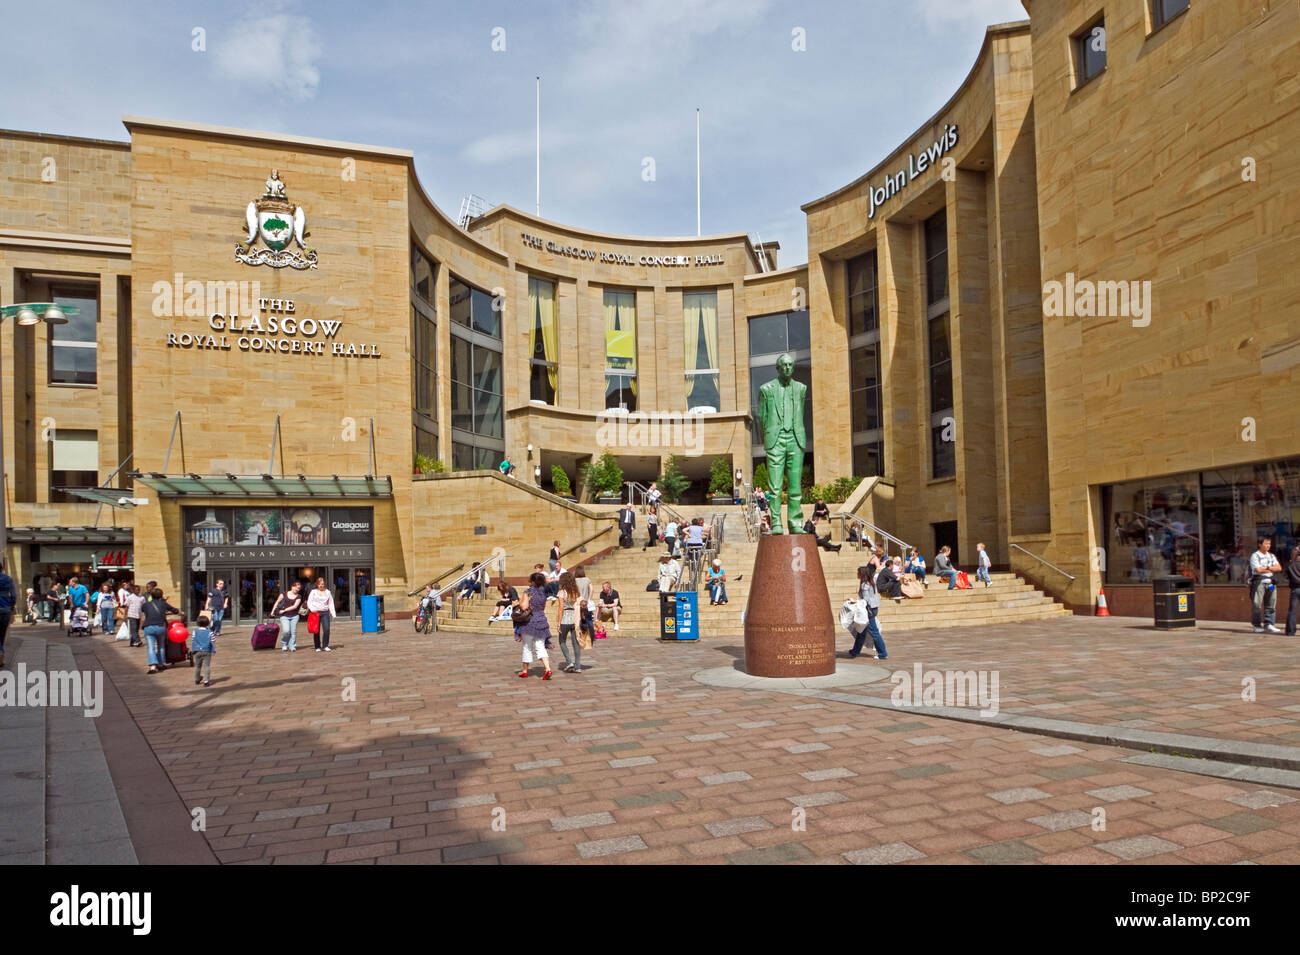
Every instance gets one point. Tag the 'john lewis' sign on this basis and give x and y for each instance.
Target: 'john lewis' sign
(917, 163)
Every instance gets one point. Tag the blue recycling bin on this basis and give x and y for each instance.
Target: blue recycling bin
(688, 615)
(372, 614)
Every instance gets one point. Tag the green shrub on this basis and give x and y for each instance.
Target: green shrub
(602, 476)
(672, 481)
(720, 478)
(760, 476)
(560, 480)
(427, 465)
(836, 492)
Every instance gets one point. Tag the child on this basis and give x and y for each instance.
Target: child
(202, 648)
(982, 573)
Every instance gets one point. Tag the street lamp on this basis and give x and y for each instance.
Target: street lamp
(27, 314)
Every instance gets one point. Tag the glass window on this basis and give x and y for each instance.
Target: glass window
(943, 450)
(862, 293)
(543, 349)
(868, 459)
(477, 387)
(73, 345)
(423, 274)
(797, 330)
(940, 365)
(1153, 530)
(700, 314)
(1162, 11)
(936, 257)
(767, 334)
(74, 462)
(1090, 51)
(864, 387)
(620, 349)
(472, 308)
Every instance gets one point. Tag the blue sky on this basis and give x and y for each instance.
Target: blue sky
(620, 82)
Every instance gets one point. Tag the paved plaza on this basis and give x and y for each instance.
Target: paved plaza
(430, 749)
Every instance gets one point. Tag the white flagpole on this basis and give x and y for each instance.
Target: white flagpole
(539, 147)
(697, 171)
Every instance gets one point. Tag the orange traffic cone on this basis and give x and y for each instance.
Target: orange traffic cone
(1101, 604)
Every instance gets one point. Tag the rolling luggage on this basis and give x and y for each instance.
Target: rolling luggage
(175, 651)
(265, 636)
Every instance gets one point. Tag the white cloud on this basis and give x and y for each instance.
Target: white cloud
(947, 14)
(276, 53)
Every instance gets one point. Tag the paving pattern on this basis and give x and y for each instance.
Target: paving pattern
(401, 748)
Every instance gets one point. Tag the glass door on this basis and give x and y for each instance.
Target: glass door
(244, 600)
(340, 581)
(272, 579)
(196, 594)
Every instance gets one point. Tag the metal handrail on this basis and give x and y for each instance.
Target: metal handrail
(586, 540)
(663, 508)
(446, 573)
(1042, 561)
(903, 545)
(498, 559)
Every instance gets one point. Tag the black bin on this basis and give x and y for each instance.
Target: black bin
(1175, 601)
(667, 616)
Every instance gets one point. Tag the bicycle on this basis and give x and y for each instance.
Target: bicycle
(424, 616)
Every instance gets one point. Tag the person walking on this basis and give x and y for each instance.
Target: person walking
(78, 595)
(670, 536)
(553, 560)
(201, 649)
(134, 606)
(867, 594)
(153, 616)
(321, 603)
(536, 631)
(626, 524)
(985, 565)
(105, 607)
(585, 607)
(1263, 589)
(217, 604)
(567, 617)
(286, 608)
(1293, 578)
(8, 600)
(652, 526)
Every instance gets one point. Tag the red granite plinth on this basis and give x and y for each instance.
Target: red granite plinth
(789, 628)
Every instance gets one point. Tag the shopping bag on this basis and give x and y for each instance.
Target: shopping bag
(912, 587)
(963, 582)
(600, 633)
(313, 622)
(123, 632)
(584, 639)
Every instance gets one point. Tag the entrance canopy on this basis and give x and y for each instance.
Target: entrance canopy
(70, 535)
(255, 485)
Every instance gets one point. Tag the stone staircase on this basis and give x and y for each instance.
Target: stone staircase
(1009, 600)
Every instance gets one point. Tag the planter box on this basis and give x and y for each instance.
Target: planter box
(609, 499)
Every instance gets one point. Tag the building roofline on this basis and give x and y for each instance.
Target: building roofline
(59, 137)
(502, 209)
(229, 132)
(449, 221)
(997, 29)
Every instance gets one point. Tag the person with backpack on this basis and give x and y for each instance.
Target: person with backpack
(533, 630)
(8, 600)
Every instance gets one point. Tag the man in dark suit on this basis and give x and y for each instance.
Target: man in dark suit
(626, 523)
(780, 412)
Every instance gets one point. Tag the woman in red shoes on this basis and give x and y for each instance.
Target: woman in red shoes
(535, 633)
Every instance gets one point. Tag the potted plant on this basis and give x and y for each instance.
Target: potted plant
(606, 479)
(560, 481)
(720, 481)
(427, 465)
(672, 482)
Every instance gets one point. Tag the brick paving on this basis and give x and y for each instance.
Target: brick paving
(403, 748)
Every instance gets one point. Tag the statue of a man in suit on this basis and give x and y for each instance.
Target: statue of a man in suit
(780, 412)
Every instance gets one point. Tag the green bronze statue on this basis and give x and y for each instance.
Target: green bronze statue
(780, 413)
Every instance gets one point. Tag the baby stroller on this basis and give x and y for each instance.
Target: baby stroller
(79, 622)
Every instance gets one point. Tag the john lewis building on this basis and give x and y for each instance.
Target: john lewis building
(276, 347)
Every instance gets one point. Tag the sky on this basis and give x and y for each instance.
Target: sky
(455, 84)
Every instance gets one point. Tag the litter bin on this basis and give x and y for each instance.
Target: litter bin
(688, 620)
(667, 616)
(372, 614)
(1175, 600)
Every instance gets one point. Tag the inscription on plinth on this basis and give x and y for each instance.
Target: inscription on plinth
(789, 628)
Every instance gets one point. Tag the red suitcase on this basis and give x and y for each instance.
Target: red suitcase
(265, 636)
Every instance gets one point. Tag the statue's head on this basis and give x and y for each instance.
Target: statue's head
(785, 368)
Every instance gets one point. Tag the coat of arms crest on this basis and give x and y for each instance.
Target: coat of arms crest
(279, 223)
